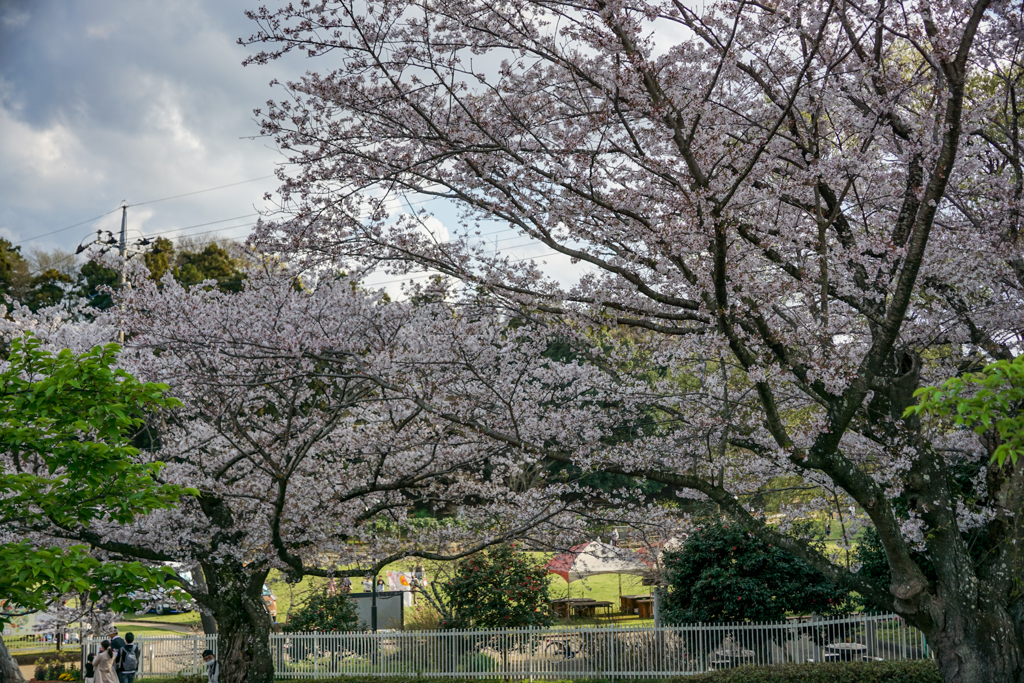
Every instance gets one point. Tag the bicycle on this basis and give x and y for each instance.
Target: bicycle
(560, 649)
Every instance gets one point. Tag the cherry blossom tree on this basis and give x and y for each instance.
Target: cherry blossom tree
(309, 424)
(811, 209)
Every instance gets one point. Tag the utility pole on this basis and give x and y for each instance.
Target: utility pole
(108, 242)
(122, 249)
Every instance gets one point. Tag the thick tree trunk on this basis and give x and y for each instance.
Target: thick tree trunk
(243, 623)
(9, 671)
(243, 648)
(205, 616)
(978, 649)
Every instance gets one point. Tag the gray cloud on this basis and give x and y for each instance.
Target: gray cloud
(128, 99)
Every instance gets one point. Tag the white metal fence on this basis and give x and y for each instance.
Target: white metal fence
(561, 652)
(33, 644)
(166, 655)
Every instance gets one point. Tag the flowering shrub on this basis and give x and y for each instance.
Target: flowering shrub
(500, 588)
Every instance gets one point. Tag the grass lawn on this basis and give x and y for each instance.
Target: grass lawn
(146, 631)
(183, 618)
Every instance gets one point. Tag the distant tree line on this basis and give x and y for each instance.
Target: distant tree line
(41, 277)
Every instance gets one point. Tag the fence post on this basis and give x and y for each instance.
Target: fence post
(871, 634)
(529, 652)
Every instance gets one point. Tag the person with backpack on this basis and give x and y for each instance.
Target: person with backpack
(128, 660)
(212, 667)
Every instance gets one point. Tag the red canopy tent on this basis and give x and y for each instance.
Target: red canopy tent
(591, 559)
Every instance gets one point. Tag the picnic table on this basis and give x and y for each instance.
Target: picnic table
(581, 607)
(591, 609)
(563, 606)
(627, 603)
(729, 656)
(845, 652)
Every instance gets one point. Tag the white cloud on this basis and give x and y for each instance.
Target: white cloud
(433, 228)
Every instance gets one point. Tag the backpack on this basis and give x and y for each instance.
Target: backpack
(130, 658)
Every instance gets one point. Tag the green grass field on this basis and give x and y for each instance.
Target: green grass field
(184, 618)
(146, 631)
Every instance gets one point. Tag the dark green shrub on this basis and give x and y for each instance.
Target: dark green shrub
(500, 588)
(323, 612)
(724, 574)
(844, 672)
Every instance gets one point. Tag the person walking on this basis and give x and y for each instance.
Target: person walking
(116, 643)
(615, 538)
(127, 663)
(103, 664)
(88, 668)
(212, 667)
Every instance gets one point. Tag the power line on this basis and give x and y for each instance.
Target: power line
(209, 189)
(203, 225)
(207, 232)
(54, 232)
(149, 201)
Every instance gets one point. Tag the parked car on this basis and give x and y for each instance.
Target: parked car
(168, 601)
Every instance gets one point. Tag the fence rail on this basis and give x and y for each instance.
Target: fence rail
(34, 644)
(610, 652)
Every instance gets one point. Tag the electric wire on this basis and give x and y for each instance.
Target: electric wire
(54, 232)
(148, 201)
(209, 189)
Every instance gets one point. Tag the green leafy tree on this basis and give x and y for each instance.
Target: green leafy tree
(988, 401)
(325, 612)
(212, 263)
(499, 588)
(160, 258)
(47, 289)
(96, 277)
(724, 574)
(66, 460)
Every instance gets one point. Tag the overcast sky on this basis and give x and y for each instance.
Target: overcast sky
(140, 100)
(111, 100)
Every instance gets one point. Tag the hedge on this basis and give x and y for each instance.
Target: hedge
(67, 655)
(837, 672)
(846, 672)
